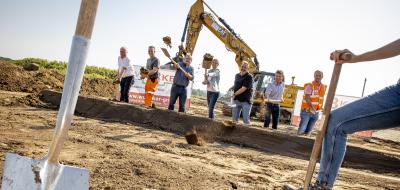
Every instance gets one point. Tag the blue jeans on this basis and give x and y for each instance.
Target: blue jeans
(307, 122)
(243, 107)
(177, 91)
(271, 109)
(212, 98)
(377, 111)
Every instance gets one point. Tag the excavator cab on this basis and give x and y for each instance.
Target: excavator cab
(261, 80)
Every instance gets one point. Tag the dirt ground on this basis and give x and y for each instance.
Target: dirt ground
(122, 155)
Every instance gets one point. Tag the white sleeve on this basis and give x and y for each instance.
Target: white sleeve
(119, 64)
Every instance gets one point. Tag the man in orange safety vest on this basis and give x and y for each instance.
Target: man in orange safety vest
(313, 99)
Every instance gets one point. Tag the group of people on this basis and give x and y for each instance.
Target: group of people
(242, 88)
(126, 75)
(313, 99)
(380, 110)
(183, 75)
(311, 104)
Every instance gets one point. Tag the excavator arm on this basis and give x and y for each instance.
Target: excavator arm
(197, 17)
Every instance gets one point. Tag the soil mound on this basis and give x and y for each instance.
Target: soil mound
(15, 78)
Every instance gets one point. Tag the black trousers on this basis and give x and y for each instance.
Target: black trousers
(272, 110)
(125, 85)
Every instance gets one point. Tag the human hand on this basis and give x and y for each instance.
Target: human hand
(205, 81)
(175, 64)
(116, 80)
(143, 73)
(342, 56)
(187, 74)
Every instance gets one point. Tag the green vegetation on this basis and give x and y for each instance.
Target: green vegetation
(199, 93)
(90, 71)
(5, 59)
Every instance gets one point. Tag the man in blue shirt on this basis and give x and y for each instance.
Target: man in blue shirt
(273, 96)
(183, 74)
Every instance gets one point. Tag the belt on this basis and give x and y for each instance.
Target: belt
(308, 110)
(180, 86)
(275, 104)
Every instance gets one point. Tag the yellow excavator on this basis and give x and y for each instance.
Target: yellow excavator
(196, 19)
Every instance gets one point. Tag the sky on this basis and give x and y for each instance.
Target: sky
(294, 36)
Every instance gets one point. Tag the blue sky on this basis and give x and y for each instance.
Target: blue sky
(295, 36)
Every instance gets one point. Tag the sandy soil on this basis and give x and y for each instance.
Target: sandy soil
(133, 156)
(129, 155)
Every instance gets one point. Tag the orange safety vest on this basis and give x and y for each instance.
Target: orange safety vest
(316, 97)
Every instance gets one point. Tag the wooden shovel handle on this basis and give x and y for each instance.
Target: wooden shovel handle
(320, 136)
(87, 15)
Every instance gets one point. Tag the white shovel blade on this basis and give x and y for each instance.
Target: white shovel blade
(21, 173)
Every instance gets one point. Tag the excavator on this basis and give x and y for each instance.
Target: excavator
(196, 19)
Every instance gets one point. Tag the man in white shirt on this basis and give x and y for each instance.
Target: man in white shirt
(125, 74)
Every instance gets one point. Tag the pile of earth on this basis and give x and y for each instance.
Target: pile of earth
(15, 78)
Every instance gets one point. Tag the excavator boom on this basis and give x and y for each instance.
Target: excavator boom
(197, 17)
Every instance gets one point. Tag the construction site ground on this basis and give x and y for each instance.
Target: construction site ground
(122, 154)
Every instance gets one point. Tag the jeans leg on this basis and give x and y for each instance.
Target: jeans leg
(378, 111)
(236, 110)
(208, 103)
(125, 89)
(208, 97)
(311, 123)
(246, 112)
(128, 84)
(275, 116)
(267, 119)
(211, 104)
(182, 99)
(304, 119)
(172, 98)
(122, 89)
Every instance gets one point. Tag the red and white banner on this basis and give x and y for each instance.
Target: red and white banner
(162, 94)
(338, 101)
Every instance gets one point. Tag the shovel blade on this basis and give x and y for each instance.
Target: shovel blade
(165, 51)
(22, 173)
